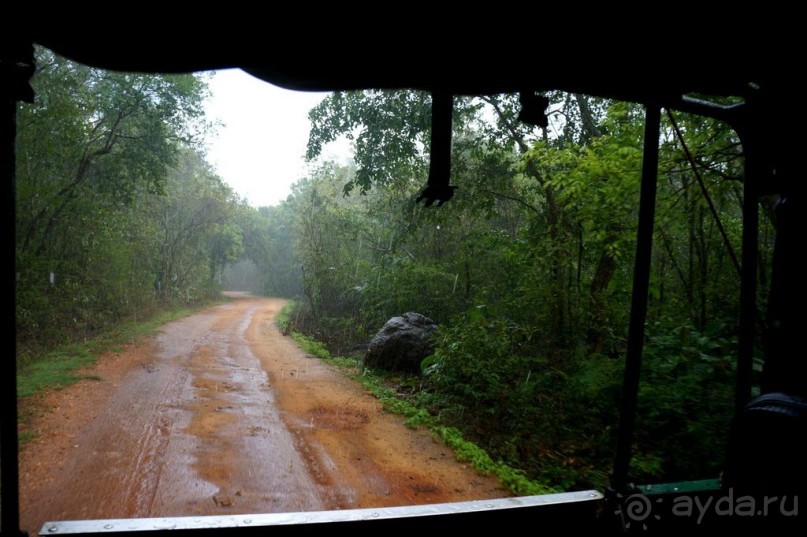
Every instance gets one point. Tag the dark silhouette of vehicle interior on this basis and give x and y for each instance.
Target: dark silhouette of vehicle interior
(767, 454)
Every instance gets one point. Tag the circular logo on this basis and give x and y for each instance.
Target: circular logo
(637, 507)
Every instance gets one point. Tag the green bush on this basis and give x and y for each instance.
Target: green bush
(557, 418)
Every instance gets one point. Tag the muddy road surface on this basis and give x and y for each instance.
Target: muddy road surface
(222, 414)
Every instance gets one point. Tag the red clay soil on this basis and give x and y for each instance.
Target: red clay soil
(222, 414)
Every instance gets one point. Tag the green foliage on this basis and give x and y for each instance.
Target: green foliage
(481, 362)
(512, 478)
(375, 384)
(568, 413)
(528, 271)
(283, 318)
(196, 235)
(687, 397)
(311, 346)
(118, 216)
(269, 244)
(493, 382)
(388, 150)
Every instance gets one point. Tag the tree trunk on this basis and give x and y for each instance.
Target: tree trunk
(604, 273)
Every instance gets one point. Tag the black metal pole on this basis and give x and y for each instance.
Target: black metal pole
(10, 520)
(16, 68)
(638, 308)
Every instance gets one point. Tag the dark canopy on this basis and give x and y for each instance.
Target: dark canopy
(313, 63)
(675, 70)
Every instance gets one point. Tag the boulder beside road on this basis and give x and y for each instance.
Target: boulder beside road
(402, 343)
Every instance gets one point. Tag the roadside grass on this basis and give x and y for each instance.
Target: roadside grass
(377, 384)
(58, 368)
(55, 370)
(43, 370)
(283, 318)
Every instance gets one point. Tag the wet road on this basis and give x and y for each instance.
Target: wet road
(222, 414)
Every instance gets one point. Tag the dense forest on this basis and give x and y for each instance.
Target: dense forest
(527, 270)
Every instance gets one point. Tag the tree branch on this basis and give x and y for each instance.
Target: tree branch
(587, 116)
(517, 138)
(513, 198)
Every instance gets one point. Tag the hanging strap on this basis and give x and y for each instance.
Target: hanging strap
(438, 188)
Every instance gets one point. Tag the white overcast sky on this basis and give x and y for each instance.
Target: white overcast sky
(259, 147)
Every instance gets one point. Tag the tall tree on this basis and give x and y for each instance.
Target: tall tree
(197, 235)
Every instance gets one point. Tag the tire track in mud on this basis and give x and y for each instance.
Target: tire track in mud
(241, 446)
(110, 461)
(144, 479)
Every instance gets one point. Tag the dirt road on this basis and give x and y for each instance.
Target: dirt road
(221, 414)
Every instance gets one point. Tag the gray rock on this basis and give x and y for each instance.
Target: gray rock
(402, 343)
